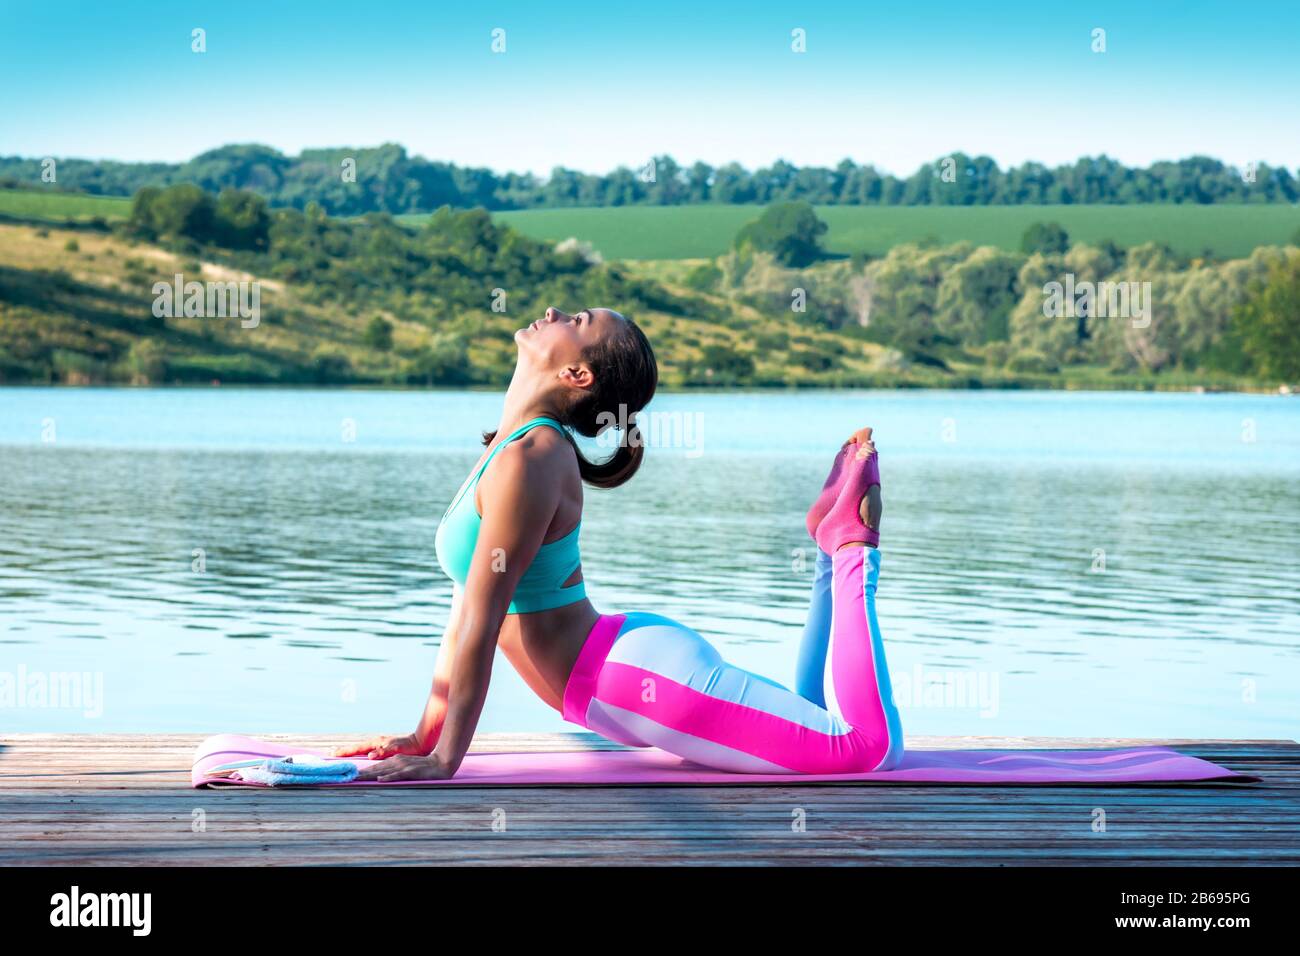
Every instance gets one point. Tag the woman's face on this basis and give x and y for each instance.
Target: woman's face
(558, 340)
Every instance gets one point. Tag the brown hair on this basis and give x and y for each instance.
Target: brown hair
(626, 375)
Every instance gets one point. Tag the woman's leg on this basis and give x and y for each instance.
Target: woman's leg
(664, 685)
(857, 653)
(849, 532)
(810, 667)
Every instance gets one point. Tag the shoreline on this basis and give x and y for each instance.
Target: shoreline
(1282, 391)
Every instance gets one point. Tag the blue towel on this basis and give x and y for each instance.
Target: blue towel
(299, 769)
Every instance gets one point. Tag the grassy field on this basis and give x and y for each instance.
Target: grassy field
(688, 232)
(53, 206)
(694, 232)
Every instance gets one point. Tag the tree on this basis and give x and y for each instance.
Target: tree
(722, 365)
(180, 210)
(1048, 238)
(1043, 342)
(241, 220)
(905, 288)
(975, 297)
(237, 219)
(379, 334)
(329, 366)
(146, 362)
(1269, 323)
(790, 231)
(444, 360)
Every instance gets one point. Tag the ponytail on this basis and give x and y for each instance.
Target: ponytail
(614, 470)
(618, 467)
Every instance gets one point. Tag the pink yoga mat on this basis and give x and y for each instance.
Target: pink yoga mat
(994, 768)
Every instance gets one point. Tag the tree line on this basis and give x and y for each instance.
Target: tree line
(349, 182)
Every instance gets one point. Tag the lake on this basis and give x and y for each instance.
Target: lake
(257, 560)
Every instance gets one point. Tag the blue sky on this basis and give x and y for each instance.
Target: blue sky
(593, 86)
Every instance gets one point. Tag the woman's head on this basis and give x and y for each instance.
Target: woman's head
(598, 370)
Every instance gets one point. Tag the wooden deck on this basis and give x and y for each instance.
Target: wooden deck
(114, 799)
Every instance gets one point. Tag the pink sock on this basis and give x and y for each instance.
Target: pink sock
(843, 522)
(830, 490)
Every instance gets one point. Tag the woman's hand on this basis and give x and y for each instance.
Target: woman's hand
(407, 768)
(377, 748)
(867, 447)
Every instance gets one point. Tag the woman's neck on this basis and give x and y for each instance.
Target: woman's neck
(524, 402)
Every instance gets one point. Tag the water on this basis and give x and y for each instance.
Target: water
(1092, 564)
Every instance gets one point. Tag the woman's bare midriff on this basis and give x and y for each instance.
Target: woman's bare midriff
(544, 645)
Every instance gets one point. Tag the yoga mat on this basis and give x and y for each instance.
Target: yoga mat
(613, 768)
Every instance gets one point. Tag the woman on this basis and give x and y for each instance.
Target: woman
(509, 541)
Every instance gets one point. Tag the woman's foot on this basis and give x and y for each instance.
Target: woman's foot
(846, 522)
(830, 490)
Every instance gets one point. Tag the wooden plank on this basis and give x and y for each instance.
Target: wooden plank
(125, 799)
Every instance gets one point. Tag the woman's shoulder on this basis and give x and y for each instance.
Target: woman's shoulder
(537, 451)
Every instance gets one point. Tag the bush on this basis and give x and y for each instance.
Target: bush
(240, 220)
(379, 334)
(704, 278)
(329, 366)
(772, 341)
(790, 231)
(444, 361)
(997, 354)
(227, 368)
(180, 210)
(146, 362)
(722, 365)
(1032, 362)
(1048, 238)
(814, 360)
(237, 219)
(76, 368)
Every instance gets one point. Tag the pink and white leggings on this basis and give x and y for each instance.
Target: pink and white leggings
(648, 681)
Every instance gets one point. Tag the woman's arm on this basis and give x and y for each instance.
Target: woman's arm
(435, 709)
(525, 494)
(517, 509)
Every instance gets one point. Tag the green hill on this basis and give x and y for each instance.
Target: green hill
(369, 300)
(76, 308)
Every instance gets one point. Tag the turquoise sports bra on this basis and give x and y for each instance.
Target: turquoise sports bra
(541, 587)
